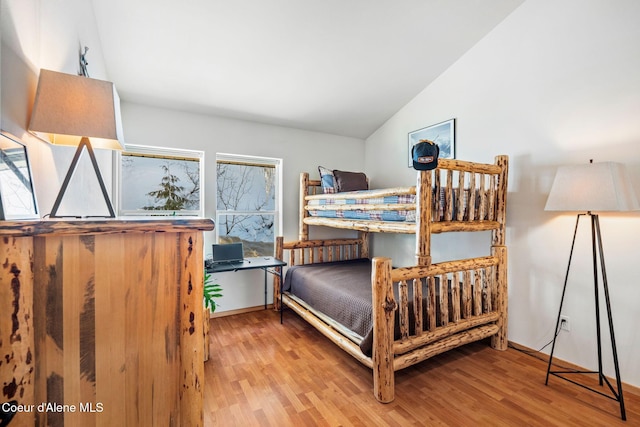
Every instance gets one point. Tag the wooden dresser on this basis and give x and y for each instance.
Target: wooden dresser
(101, 321)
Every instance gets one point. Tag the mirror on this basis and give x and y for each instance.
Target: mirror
(17, 197)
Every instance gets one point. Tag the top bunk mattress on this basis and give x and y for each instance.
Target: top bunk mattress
(456, 196)
(358, 205)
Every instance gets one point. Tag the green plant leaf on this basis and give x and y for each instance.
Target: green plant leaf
(211, 291)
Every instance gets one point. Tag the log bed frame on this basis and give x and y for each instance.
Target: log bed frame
(473, 305)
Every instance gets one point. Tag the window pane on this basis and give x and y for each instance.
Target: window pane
(254, 231)
(152, 183)
(245, 187)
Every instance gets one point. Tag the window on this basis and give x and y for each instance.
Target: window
(248, 202)
(159, 181)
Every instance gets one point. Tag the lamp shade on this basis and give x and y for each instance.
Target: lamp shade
(592, 187)
(69, 107)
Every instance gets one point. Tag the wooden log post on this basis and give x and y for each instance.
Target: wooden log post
(403, 309)
(499, 234)
(498, 238)
(303, 229)
(191, 348)
(499, 341)
(384, 307)
(16, 326)
(423, 218)
(418, 305)
(460, 196)
(471, 202)
(448, 212)
(276, 279)
(364, 244)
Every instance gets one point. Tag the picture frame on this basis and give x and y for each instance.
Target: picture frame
(443, 134)
(17, 193)
(158, 181)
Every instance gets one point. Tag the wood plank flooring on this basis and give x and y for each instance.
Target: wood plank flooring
(261, 373)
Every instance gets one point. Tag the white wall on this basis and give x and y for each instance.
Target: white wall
(301, 151)
(44, 34)
(556, 83)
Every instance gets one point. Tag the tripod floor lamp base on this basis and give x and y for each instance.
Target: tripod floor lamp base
(613, 392)
(84, 143)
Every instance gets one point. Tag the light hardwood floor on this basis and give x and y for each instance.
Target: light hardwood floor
(261, 373)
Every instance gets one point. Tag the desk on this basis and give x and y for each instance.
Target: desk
(266, 263)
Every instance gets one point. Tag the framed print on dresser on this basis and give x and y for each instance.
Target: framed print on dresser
(17, 195)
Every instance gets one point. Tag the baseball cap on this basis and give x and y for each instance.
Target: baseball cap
(425, 155)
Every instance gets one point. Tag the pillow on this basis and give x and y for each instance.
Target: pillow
(350, 181)
(327, 181)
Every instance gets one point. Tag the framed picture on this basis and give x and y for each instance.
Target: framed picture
(17, 196)
(159, 181)
(442, 134)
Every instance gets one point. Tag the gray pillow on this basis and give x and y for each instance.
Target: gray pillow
(350, 181)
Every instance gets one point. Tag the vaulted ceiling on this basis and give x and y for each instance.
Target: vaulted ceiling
(336, 66)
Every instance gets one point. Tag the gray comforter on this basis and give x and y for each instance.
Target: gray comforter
(340, 290)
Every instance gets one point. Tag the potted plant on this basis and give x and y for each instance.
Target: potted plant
(211, 292)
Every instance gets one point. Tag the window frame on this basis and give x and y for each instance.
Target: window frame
(160, 153)
(256, 161)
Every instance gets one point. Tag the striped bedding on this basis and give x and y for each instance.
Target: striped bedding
(344, 206)
(375, 215)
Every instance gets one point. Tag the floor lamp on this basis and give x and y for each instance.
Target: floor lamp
(80, 112)
(592, 187)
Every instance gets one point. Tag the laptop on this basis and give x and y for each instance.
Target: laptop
(228, 253)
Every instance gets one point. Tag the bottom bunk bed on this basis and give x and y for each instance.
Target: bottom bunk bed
(391, 318)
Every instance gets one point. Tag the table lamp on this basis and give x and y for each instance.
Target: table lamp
(81, 112)
(602, 187)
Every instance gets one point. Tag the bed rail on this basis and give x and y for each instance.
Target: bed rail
(466, 301)
(461, 295)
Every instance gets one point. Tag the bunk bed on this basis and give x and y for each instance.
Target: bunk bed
(415, 312)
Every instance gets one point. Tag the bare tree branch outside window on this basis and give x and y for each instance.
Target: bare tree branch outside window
(246, 205)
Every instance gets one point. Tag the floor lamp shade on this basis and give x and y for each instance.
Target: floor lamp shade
(589, 188)
(81, 112)
(597, 187)
(69, 107)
